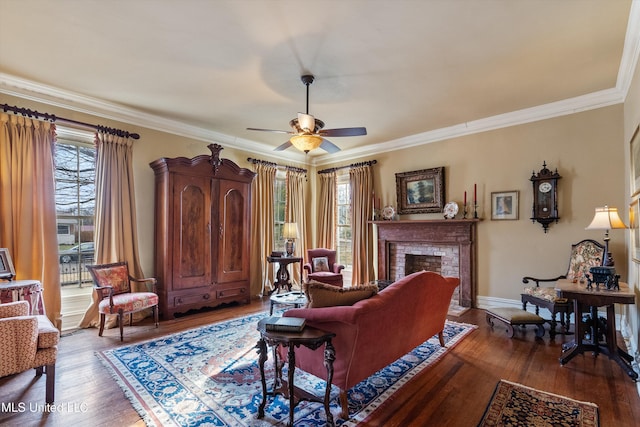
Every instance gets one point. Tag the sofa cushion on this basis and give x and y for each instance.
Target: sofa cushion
(324, 295)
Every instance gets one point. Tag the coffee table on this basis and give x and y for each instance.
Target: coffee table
(295, 298)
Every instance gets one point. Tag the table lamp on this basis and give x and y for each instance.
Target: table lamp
(606, 218)
(290, 232)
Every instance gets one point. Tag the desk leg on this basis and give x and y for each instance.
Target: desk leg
(262, 357)
(292, 368)
(329, 357)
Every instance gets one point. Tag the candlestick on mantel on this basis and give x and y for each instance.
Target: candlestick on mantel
(475, 194)
(465, 198)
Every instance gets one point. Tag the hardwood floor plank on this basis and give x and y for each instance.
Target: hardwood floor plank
(453, 392)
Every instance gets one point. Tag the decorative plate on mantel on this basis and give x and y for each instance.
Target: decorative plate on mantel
(388, 212)
(450, 210)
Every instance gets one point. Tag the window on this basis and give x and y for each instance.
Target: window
(75, 205)
(343, 223)
(279, 207)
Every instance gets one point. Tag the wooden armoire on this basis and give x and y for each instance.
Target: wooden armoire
(202, 232)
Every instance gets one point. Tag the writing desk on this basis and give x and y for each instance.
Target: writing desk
(588, 300)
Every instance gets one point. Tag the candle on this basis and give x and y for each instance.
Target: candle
(465, 198)
(475, 194)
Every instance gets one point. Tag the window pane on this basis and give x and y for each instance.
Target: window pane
(279, 206)
(75, 208)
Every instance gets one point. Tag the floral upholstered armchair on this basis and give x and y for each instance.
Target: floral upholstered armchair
(112, 282)
(28, 342)
(321, 266)
(584, 255)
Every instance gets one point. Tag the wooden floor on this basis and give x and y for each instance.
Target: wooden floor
(453, 392)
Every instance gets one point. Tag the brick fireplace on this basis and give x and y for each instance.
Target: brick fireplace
(447, 247)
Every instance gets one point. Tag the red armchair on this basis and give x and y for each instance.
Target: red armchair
(321, 266)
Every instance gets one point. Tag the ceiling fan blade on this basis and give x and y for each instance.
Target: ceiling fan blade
(344, 132)
(271, 130)
(283, 146)
(329, 146)
(306, 122)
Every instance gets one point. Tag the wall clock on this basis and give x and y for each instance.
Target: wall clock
(545, 196)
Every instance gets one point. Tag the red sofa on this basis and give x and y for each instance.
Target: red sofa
(375, 332)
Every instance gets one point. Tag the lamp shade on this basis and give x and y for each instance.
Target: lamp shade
(306, 142)
(606, 218)
(290, 230)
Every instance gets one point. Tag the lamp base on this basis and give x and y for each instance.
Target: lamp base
(607, 258)
(290, 247)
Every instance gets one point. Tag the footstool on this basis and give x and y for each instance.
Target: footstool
(511, 316)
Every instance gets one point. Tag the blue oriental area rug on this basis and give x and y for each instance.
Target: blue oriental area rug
(209, 376)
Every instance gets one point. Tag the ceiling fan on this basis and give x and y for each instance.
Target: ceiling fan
(307, 130)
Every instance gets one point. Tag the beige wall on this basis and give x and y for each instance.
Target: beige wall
(583, 147)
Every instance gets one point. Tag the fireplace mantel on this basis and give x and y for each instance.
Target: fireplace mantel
(460, 233)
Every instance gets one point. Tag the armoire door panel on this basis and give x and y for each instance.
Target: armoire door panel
(192, 255)
(233, 254)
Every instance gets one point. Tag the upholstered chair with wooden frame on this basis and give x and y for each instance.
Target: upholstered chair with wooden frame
(584, 255)
(28, 342)
(112, 282)
(321, 266)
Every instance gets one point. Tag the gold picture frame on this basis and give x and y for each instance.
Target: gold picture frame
(635, 162)
(6, 266)
(504, 205)
(420, 191)
(634, 217)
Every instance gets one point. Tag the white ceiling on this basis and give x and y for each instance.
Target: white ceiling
(411, 72)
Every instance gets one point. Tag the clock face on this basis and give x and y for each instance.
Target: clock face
(545, 187)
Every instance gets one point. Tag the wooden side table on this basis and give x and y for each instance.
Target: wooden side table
(283, 281)
(588, 300)
(23, 290)
(311, 338)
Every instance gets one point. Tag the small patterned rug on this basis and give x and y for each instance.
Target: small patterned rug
(209, 376)
(517, 405)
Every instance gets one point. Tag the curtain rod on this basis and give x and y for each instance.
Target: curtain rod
(264, 162)
(53, 118)
(352, 165)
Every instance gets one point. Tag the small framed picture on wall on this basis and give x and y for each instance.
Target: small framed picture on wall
(504, 205)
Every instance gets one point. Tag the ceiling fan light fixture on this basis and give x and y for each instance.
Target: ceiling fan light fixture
(305, 142)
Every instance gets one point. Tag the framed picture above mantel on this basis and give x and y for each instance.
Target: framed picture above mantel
(420, 191)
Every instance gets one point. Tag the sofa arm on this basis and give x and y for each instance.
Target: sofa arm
(337, 268)
(14, 309)
(307, 267)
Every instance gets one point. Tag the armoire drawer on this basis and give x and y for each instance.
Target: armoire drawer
(232, 292)
(192, 299)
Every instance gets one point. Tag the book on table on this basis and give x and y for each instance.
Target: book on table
(285, 324)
